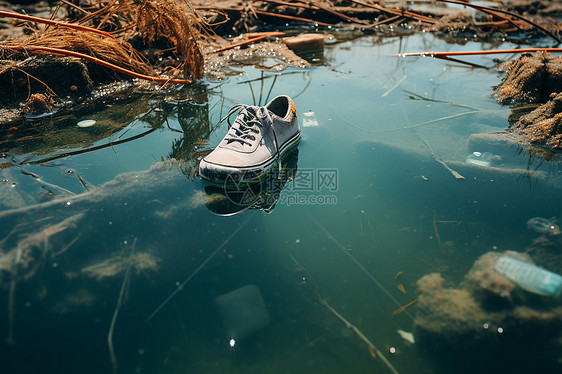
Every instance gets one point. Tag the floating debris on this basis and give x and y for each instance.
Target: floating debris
(479, 158)
(80, 299)
(543, 225)
(407, 336)
(115, 265)
(403, 308)
(86, 123)
(309, 119)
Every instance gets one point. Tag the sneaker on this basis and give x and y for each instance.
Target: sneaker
(256, 139)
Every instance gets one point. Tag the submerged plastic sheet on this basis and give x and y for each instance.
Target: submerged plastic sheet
(243, 312)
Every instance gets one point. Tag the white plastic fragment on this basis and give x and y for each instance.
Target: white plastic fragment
(86, 123)
(309, 119)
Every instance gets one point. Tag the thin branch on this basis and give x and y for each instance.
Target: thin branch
(99, 62)
(259, 36)
(482, 8)
(359, 333)
(476, 53)
(114, 319)
(53, 23)
(453, 172)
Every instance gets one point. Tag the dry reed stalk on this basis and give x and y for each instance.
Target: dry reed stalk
(264, 13)
(116, 9)
(359, 334)
(256, 37)
(437, 159)
(474, 53)
(329, 10)
(100, 62)
(403, 308)
(166, 19)
(125, 285)
(484, 9)
(52, 22)
(437, 236)
(107, 49)
(397, 12)
(388, 20)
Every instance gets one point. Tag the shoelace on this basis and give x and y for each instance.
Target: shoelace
(247, 120)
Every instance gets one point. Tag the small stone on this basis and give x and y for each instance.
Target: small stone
(305, 42)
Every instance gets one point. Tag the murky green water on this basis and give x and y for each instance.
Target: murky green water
(113, 260)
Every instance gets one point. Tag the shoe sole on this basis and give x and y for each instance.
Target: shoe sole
(238, 176)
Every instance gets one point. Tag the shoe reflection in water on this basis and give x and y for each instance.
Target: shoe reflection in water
(231, 198)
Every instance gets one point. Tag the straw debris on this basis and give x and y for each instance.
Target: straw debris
(169, 24)
(138, 38)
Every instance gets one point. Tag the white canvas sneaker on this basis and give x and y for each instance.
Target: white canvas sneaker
(258, 137)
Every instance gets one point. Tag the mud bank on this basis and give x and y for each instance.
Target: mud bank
(535, 79)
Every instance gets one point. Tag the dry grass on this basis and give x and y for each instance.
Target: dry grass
(178, 25)
(150, 19)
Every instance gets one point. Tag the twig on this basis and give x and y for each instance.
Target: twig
(358, 332)
(293, 18)
(419, 124)
(472, 53)
(482, 8)
(66, 247)
(95, 148)
(471, 64)
(252, 40)
(415, 96)
(398, 12)
(435, 229)
(395, 86)
(270, 14)
(53, 23)
(403, 308)
(333, 12)
(453, 172)
(388, 20)
(115, 313)
(99, 62)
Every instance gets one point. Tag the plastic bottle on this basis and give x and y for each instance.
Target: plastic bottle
(530, 277)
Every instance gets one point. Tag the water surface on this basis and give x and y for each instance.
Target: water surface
(112, 260)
